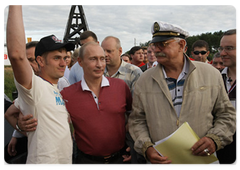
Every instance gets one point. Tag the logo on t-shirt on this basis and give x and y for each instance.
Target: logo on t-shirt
(58, 97)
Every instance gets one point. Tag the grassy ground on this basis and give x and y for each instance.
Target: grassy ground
(9, 85)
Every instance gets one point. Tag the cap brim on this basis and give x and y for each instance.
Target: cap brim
(68, 46)
(161, 38)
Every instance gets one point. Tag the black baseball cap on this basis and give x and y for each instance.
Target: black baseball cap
(51, 43)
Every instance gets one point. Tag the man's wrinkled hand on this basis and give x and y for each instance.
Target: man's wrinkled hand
(204, 143)
(154, 157)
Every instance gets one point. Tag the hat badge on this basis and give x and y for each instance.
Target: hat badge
(156, 27)
(56, 39)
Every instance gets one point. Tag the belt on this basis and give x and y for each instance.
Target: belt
(103, 159)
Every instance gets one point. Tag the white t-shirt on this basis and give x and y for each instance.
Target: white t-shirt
(51, 143)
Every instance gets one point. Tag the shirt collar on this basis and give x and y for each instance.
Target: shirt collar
(122, 66)
(120, 69)
(104, 83)
(224, 71)
(155, 63)
(184, 70)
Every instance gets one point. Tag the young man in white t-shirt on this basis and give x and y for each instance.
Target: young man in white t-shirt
(38, 95)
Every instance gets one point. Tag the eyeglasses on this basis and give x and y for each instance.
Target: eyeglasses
(198, 52)
(226, 49)
(162, 44)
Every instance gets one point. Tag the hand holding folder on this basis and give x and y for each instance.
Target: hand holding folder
(177, 147)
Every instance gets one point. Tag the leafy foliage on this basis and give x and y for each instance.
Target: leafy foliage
(144, 44)
(9, 85)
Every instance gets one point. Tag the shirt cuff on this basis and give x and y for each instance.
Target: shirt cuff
(17, 134)
(216, 140)
(146, 145)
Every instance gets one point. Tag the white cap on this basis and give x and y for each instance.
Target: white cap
(163, 31)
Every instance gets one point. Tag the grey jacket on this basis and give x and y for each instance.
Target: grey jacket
(206, 107)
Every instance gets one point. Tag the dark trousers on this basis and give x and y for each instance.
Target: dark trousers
(21, 156)
(227, 155)
(136, 157)
(83, 158)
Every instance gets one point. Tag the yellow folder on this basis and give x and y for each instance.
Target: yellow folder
(177, 147)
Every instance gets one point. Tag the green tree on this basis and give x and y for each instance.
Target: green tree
(144, 44)
(9, 86)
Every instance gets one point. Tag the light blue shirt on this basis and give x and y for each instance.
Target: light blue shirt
(66, 72)
(76, 73)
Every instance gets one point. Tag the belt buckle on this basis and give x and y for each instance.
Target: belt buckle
(106, 159)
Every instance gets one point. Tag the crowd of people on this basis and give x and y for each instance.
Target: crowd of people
(95, 105)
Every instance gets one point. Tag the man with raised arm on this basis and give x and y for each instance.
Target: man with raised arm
(38, 95)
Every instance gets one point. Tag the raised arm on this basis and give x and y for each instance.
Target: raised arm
(16, 46)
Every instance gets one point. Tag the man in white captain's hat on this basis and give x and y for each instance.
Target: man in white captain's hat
(177, 91)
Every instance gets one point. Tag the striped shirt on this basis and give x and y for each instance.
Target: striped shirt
(176, 86)
(128, 73)
(227, 83)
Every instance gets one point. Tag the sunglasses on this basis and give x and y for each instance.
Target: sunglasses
(198, 52)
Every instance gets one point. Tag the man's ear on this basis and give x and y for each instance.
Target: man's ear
(40, 61)
(79, 61)
(182, 44)
(131, 55)
(120, 51)
(208, 52)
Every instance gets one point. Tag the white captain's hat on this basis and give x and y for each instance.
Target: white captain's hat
(163, 31)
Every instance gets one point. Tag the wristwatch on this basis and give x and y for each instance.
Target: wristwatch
(17, 127)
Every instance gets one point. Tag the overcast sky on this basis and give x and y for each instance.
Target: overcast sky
(127, 22)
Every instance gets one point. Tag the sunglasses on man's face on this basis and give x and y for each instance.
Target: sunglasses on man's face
(198, 52)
